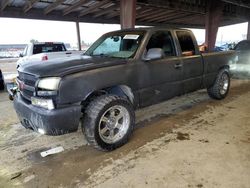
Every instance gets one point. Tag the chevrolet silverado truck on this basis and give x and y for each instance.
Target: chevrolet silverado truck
(121, 72)
(44, 51)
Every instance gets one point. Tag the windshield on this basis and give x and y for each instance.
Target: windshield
(118, 45)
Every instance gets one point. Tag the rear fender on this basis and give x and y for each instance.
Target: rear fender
(225, 67)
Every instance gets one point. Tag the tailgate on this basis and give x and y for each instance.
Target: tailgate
(55, 55)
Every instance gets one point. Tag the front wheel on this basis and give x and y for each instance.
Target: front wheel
(108, 122)
(220, 88)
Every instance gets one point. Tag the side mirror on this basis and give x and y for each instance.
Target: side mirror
(154, 53)
(20, 55)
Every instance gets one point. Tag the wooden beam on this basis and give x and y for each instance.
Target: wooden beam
(156, 15)
(238, 3)
(93, 7)
(169, 18)
(165, 17)
(183, 17)
(142, 11)
(113, 14)
(195, 19)
(106, 11)
(177, 5)
(4, 4)
(52, 6)
(29, 5)
(149, 13)
(74, 6)
(117, 11)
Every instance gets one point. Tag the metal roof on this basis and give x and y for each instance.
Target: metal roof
(179, 13)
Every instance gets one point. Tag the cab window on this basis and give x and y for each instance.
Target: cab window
(186, 43)
(163, 40)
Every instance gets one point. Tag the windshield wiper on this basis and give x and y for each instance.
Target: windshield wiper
(101, 55)
(106, 55)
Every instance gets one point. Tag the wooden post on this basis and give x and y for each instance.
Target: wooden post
(127, 14)
(213, 17)
(79, 42)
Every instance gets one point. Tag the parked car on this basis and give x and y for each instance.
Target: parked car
(241, 67)
(44, 51)
(1, 81)
(121, 72)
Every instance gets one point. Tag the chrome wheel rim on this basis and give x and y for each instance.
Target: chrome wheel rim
(224, 84)
(114, 124)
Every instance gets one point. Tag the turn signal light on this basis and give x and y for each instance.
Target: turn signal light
(45, 58)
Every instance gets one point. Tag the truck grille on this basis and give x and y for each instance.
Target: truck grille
(26, 84)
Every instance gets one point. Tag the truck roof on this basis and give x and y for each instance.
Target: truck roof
(150, 28)
(47, 43)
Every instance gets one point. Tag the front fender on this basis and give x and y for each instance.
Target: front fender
(77, 87)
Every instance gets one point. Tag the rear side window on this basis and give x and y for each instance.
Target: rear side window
(163, 40)
(48, 47)
(186, 43)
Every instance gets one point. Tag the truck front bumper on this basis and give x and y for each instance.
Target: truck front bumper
(50, 122)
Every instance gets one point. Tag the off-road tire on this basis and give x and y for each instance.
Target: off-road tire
(93, 114)
(1, 85)
(215, 90)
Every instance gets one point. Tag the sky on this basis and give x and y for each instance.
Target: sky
(232, 33)
(21, 31)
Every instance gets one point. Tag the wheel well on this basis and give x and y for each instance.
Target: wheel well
(120, 90)
(225, 67)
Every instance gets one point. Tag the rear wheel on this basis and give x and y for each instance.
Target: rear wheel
(220, 88)
(1, 85)
(108, 122)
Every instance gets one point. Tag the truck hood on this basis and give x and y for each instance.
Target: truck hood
(65, 66)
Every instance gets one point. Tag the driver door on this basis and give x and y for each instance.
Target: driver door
(160, 79)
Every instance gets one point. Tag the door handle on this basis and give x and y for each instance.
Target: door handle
(178, 66)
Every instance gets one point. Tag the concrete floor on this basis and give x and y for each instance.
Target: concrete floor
(189, 141)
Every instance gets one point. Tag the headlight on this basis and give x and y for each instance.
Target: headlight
(51, 83)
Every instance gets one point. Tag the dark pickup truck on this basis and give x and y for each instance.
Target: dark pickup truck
(122, 71)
